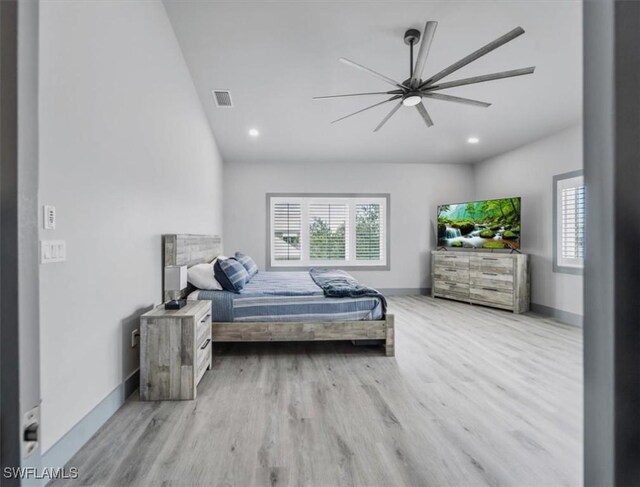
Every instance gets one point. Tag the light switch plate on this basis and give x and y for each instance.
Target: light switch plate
(49, 217)
(53, 251)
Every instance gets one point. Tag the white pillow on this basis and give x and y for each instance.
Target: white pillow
(201, 276)
(194, 295)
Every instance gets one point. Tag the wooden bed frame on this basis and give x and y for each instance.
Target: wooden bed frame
(189, 250)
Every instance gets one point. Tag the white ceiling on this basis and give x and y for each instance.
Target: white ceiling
(274, 56)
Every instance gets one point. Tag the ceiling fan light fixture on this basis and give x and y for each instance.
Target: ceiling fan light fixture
(410, 92)
(411, 100)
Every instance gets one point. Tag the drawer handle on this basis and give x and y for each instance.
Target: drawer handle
(452, 270)
(489, 258)
(206, 318)
(489, 288)
(489, 274)
(206, 344)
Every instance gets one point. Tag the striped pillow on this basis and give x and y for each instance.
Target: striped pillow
(248, 263)
(231, 274)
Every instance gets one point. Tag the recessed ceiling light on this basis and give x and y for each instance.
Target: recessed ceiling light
(254, 132)
(473, 140)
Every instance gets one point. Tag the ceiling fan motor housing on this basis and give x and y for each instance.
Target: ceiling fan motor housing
(412, 36)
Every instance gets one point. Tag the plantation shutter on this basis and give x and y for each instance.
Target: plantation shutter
(287, 226)
(369, 231)
(572, 202)
(328, 231)
(318, 230)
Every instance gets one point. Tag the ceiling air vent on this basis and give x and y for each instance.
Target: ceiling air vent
(222, 98)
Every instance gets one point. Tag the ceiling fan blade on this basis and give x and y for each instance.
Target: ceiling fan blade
(392, 92)
(372, 72)
(368, 108)
(423, 111)
(423, 52)
(481, 79)
(389, 115)
(500, 41)
(456, 99)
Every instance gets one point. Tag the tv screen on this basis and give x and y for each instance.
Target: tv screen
(487, 224)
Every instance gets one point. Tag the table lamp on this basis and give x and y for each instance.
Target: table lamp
(175, 280)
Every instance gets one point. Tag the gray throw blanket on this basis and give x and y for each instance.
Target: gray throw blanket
(340, 284)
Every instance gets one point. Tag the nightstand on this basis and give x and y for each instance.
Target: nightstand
(175, 351)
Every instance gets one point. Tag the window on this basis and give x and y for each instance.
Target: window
(307, 230)
(569, 222)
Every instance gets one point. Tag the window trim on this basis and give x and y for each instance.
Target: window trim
(385, 196)
(557, 267)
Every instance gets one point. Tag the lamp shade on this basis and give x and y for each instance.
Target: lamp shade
(175, 277)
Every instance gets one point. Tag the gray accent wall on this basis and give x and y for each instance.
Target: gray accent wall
(126, 155)
(415, 191)
(528, 172)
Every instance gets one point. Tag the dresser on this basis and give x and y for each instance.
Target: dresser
(175, 351)
(492, 279)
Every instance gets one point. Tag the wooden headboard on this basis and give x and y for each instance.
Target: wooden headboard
(184, 249)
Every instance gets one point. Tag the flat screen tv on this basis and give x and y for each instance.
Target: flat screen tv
(486, 224)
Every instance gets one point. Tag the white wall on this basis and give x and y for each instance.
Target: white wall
(528, 172)
(415, 190)
(126, 154)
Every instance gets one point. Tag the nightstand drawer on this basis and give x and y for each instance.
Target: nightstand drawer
(203, 358)
(203, 330)
(204, 317)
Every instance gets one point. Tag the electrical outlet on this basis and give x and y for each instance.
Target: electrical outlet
(135, 338)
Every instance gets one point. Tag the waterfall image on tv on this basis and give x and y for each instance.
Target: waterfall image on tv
(489, 224)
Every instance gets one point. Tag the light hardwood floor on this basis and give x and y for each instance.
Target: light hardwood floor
(475, 396)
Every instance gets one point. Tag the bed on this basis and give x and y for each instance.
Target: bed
(279, 306)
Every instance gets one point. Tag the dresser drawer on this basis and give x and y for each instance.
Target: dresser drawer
(450, 274)
(493, 280)
(451, 289)
(452, 259)
(499, 265)
(492, 296)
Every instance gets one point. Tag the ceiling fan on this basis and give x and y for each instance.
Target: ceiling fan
(411, 91)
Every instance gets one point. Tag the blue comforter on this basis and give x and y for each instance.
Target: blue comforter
(340, 284)
(288, 296)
